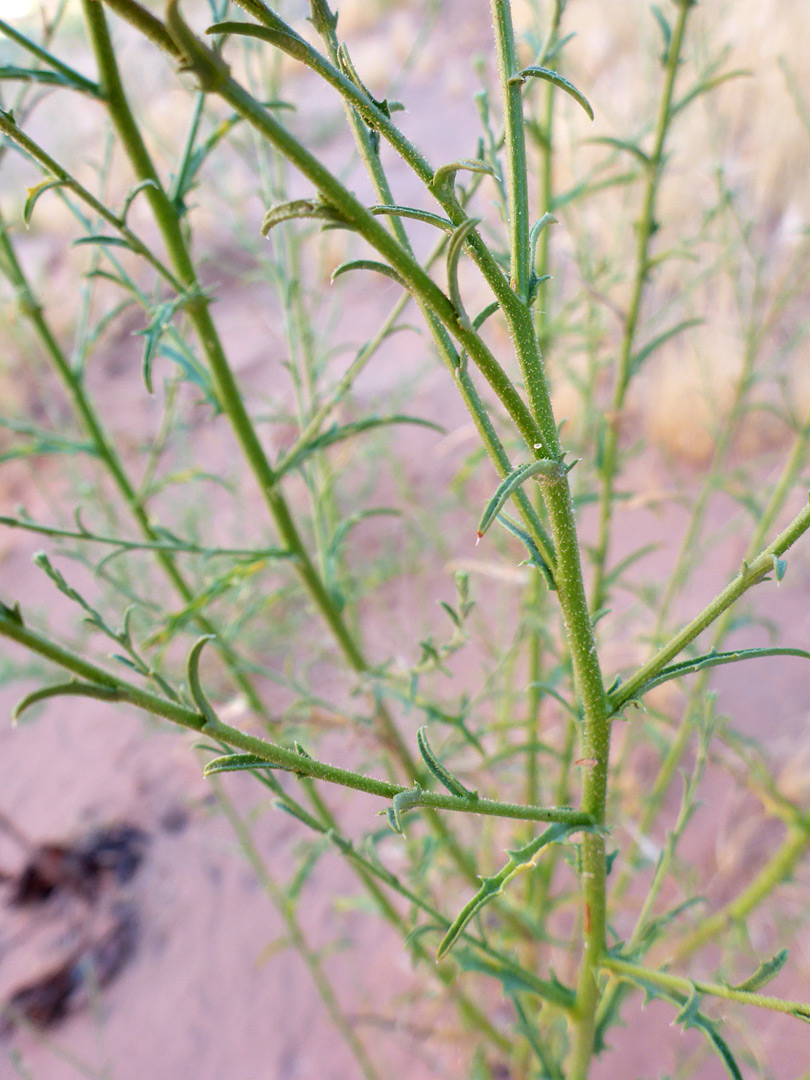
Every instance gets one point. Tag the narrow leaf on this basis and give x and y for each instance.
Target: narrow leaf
(513, 979)
(74, 688)
(666, 30)
(536, 230)
(234, 763)
(34, 194)
(554, 77)
(509, 484)
(444, 176)
(490, 888)
(715, 659)
(132, 195)
(535, 558)
(766, 971)
(368, 264)
(412, 212)
(484, 314)
(443, 775)
(623, 144)
(72, 81)
(105, 241)
(404, 800)
(690, 1016)
(477, 323)
(454, 249)
(656, 343)
(281, 37)
(299, 208)
(194, 684)
(337, 434)
(708, 85)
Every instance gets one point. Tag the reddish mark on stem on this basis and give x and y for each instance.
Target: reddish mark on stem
(587, 917)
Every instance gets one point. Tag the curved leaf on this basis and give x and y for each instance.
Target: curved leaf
(279, 36)
(337, 434)
(105, 241)
(132, 195)
(622, 144)
(454, 249)
(444, 177)
(300, 208)
(51, 78)
(194, 684)
(369, 264)
(74, 688)
(443, 775)
(766, 971)
(554, 77)
(510, 483)
(708, 660)
(413, 212)
(34, 194)
(537, 228)
(236, 762)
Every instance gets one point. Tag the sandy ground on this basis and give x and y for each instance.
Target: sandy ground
(211, 990)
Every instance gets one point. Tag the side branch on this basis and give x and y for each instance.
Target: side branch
(96, 682)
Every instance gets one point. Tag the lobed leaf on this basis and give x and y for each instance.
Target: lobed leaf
(520, 859)
(766, 971)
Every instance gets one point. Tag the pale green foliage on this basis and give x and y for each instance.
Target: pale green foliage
(511, 675)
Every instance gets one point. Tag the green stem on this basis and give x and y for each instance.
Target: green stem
(177, 548)
(646, 228)
(477, 1020)
(680, 986)
(9, 128)
(286, 910)
(107, 453)
(232, 404)
(112, 688)
(515, 140)
(778, 869)
(595, 736)
(53, 62)
(751, 574)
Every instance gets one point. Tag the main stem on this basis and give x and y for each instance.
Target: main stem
(595, 735)
(646, 228)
